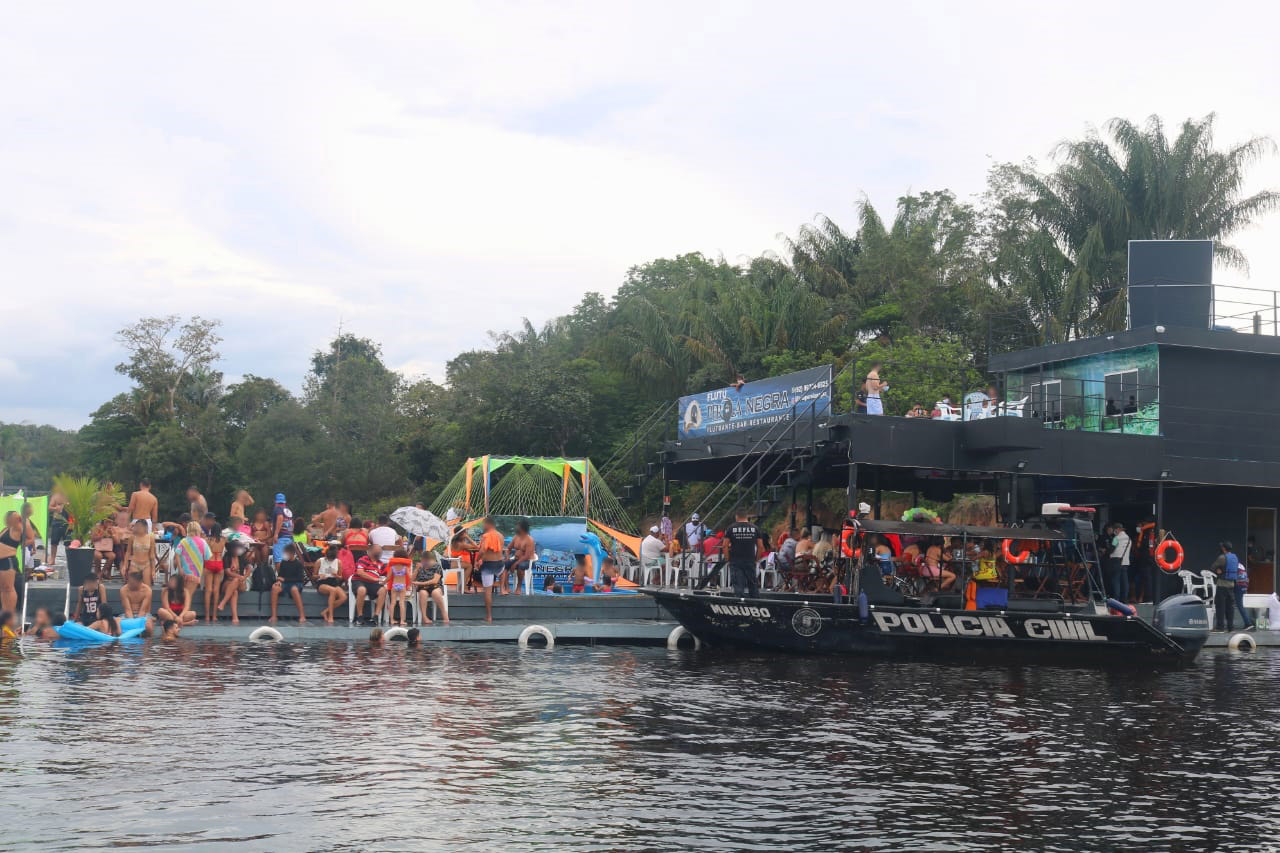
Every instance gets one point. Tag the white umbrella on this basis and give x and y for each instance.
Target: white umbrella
(420, 522)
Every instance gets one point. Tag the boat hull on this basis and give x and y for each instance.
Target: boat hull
(817, 626)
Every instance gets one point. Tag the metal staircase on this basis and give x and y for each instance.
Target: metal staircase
(634, 463)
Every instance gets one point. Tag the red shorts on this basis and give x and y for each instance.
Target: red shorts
(213, 566)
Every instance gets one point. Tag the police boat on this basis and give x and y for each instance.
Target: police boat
(1043, 602)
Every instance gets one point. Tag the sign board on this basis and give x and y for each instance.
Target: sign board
(759, 403)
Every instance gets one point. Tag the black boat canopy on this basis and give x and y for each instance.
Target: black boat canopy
(915, 528)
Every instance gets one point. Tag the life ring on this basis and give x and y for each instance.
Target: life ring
(1173, 565)
(847, 537)
(677, 634)
(396, 633)
(266, 632)
(1242, 643)
(539, 630)
(1010, 557)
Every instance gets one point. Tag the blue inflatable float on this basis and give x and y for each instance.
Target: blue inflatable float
(129, 628)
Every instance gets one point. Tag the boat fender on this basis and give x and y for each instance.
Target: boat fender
(539, 630)
(1010, 557)
(864, 610)
(677, 634)
(266, 632)
(1242, 643)
(1121, 608)
(1169, 565)
(396, 633)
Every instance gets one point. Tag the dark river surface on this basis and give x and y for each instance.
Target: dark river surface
(337, 746)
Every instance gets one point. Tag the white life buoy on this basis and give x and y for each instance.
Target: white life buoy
(539, 630)
(1242, 643)
(679, 632)
(396, 633)
(266, 632)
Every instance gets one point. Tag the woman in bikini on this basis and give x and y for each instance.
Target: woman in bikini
(239, 507)
(107, 622)
(173, 603)
(10, 541)
(141, 556)
(261, 533)
(329, 582)
(234, 569)
(213, 571)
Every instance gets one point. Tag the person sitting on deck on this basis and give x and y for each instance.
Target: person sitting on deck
(89, 601)
(428, 585)
(135, 597)
(291, 581)
(521, 554)
(356, 539)
(932, 567)
(369, 580)
(173, 603)
(651, 550)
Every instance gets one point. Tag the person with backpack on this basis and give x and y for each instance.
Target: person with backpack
(282, 528)
(1226, 569)
(330, 582)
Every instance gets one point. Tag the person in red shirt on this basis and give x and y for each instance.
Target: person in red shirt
(370, 580)
(492, 546)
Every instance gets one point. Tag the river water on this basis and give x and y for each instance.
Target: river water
(337, 746)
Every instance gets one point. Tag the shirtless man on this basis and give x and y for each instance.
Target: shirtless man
(328, 520)
(199, 506)
(135, 596)
(490, 557)
(170, 629)
(143, 505)
(873, 386)
(521, 554)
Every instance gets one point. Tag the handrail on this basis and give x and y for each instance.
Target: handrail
(640, 435)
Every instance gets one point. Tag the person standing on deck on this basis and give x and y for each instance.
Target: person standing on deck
(1226, 569)
(523, 552)
(199, 506)
(281, 528)
(490, 555)
(743, 545)
(143, 505)
(873, 388)
(1119, 560)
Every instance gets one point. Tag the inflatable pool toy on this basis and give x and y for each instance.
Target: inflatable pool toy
(266, 632)
(84, 634)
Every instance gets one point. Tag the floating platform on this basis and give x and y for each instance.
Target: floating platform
(619, 618)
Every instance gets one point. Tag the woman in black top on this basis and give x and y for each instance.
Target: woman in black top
(10, 541)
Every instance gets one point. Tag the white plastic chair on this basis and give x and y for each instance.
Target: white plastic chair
(946, 413)
(766, 567)
(974, 410)
(1014, 409)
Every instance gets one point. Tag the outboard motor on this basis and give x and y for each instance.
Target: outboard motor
(1183, 618)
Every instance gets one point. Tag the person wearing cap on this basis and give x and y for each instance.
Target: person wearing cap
(694, 531)
(282, 528)
(651, 549)
(864, 510)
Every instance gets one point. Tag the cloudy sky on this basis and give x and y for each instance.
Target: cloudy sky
(425, 172)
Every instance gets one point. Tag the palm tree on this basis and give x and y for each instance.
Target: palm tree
(1139, 185)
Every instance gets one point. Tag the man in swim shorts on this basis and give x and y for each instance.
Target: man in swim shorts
(143, 505)
(490, 555)
(522, 552)
(135, 596)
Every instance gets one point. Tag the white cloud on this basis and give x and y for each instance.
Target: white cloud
(422, 174)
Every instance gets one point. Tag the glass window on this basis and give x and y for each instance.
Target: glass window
(1046, 400)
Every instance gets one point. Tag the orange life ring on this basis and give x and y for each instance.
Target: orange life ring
(846, 541)
(1010, 557)
(1173, 565)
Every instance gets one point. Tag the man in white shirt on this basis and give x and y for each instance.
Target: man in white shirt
(1120, 563)
(652, 548)
(694, 532)
(385, 537)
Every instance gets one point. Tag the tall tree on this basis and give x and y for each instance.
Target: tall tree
(1137, 184)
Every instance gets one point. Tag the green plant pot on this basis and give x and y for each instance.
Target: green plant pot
(79, 564)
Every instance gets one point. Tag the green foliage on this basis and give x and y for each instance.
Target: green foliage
(89, 501)
(1041, 255)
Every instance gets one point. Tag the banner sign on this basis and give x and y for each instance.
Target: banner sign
(759, 403)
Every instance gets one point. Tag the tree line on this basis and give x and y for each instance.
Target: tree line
(1038, 258)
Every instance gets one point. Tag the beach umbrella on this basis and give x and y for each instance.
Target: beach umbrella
(420, 522)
